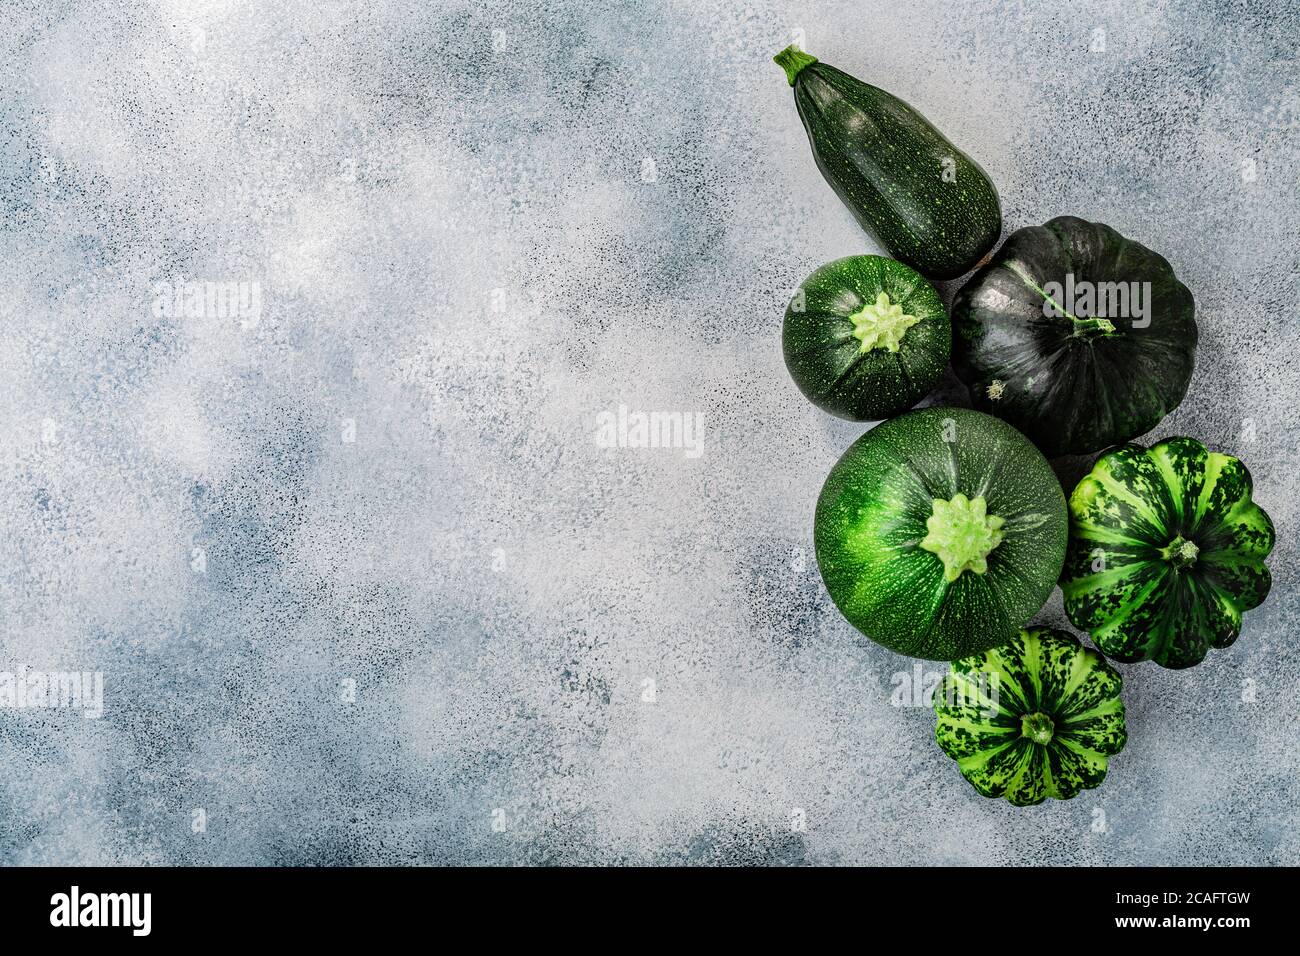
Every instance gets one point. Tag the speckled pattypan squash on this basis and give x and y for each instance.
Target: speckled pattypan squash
(1033, 719)
(1166, 552)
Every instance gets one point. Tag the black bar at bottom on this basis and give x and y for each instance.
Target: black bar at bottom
(370, 905)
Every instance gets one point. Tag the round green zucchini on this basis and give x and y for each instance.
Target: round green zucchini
(940, 533)
(866, 337)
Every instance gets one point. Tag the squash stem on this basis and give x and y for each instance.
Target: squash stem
(1087, 328)
(961, 533)
(1083, 328)
(881, 324)
(1037, 727)
(792, 60)
(1180, 552)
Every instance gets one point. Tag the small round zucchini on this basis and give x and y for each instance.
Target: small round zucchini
(940, 533)
(866, 337)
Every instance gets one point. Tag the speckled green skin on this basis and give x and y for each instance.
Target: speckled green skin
(887, 164)
(871, 519)
(1070, 391)
(827, 362)
(1123, 585)
(982, 706)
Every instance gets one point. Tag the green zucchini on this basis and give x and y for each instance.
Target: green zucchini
(939, 533)
(866, 337)
(928, 203)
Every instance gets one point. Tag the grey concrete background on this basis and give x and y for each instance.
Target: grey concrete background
(435, 620)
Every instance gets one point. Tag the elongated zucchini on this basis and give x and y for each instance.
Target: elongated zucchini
(928, 203)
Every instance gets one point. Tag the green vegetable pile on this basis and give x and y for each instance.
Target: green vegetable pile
(942, 532)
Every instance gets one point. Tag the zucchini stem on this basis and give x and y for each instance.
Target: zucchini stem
(881, 324)
(961, 533)
(792, 60)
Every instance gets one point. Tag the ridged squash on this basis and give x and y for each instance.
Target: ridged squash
(1166, 552)
(1036, 718)
(1079, 337)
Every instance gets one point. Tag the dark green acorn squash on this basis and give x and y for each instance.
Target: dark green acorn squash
(923, 199)
(940, 533)
(866, 337)
(1166, 551)
(1075, 380)
(1036, 718)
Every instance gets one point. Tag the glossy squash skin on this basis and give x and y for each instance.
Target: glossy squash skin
(928, 203)
(1166, 552)
(866, 337)
(1037, 718)
(940, 533)
(1071, 379)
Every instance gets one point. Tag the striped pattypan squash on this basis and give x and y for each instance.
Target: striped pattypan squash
(1033, 719)
(1166, 551)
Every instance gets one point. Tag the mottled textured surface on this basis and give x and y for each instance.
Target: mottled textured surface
(367, 579)
(1032, 720)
